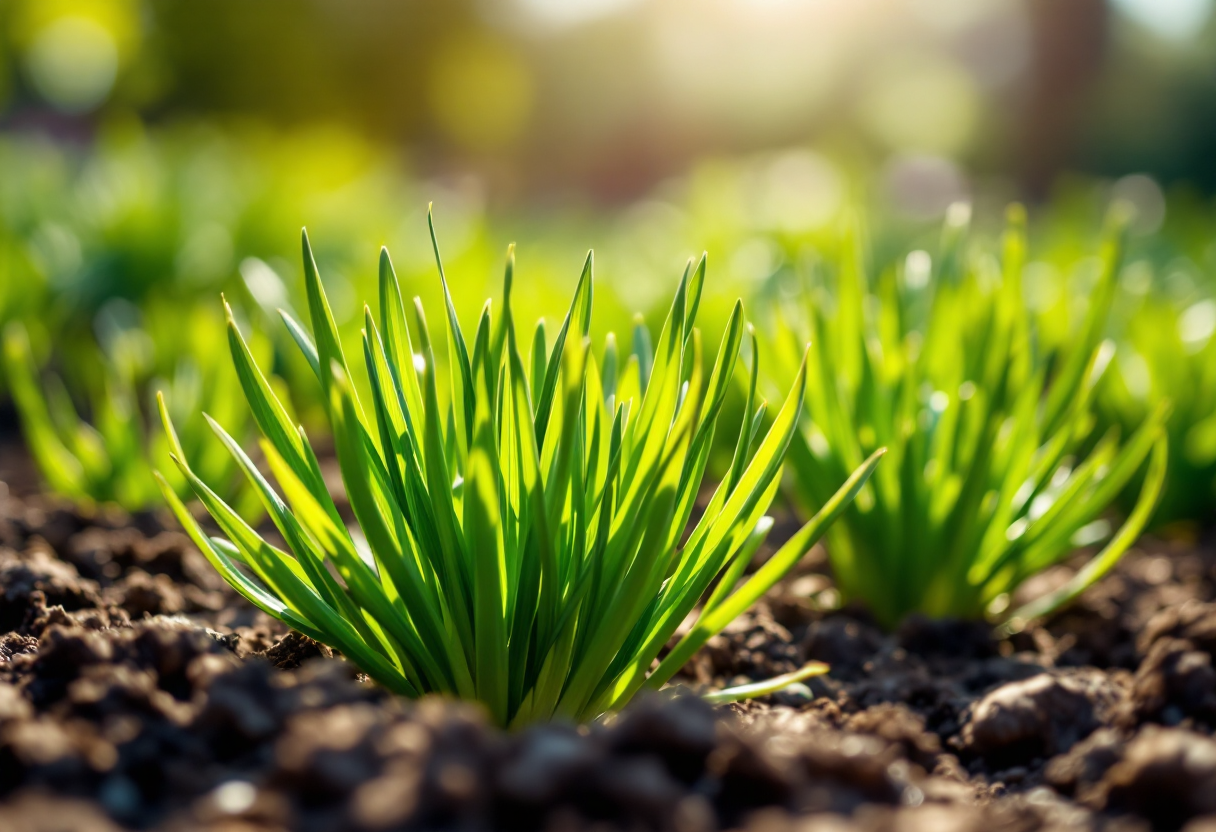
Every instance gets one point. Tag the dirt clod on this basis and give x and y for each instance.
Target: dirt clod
(138, 692)
(1167, 775)
(1175, 682)
(1038, 717)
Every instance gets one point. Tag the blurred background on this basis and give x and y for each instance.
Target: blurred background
(598, 101)
(154, 153)
(219, 128)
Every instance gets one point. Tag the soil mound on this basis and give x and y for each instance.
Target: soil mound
(138, 692)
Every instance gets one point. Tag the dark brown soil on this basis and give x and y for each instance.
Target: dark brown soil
(138, 692)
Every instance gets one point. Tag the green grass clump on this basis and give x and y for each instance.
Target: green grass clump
(109, 456)
(993, 473)
(525, 534)
(1168, 351)
(101, 462)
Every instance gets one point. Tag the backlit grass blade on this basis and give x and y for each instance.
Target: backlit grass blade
(482, 520)
(767, 576)
(283, 576)
(580, 312)
(455, 577)
(307, 347)
(411, 617)
(629, 598)
(643, 351)
(313, 566)
(541, 568)
(256, 595)
(398, 345)
(499, 338)
(324, 329)
(740, 560)
(1105, 560)
(458, 357)
(271, 417)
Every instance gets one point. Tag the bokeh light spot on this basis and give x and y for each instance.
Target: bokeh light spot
(1174, 19)
(918, 268)
(1197, 323)
(563, 13)
(73, 63)
(1146, 199)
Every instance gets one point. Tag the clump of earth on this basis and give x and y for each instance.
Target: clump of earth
(137, 691)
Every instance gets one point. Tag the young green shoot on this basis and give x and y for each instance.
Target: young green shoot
(993, 473)
(109, 457)
(525, 513)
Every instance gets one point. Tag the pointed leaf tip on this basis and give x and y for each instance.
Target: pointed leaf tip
(310, 262)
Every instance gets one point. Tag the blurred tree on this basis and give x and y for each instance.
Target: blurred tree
(1069, 39)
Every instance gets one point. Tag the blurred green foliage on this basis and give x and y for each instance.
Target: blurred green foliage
(608, 98)
(143, 226)
(1168, 352)
(110, 456)
(987, 480)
